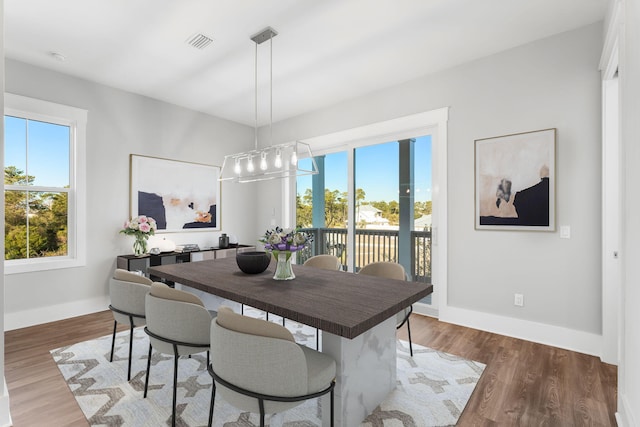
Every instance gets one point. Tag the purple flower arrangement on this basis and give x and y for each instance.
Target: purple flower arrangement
(277, 240)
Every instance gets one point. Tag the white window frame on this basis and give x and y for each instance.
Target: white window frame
(76, 119)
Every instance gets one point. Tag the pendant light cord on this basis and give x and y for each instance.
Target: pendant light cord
(271, 88)
(255, 130)
(270, 92)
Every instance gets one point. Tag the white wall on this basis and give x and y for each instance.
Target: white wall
(551, 83)
(120, 123)
(629, 368)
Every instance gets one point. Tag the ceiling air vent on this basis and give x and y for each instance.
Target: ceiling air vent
(199, 41)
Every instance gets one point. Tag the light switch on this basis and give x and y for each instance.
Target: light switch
(565, 232)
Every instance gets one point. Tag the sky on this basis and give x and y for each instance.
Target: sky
(376, 165)
(376, 171)
(48, 151)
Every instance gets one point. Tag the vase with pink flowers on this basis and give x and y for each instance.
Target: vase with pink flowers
(141, 227)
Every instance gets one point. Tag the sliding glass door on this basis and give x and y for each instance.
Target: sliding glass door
(322, 202)
(377, 204)
(384, 191)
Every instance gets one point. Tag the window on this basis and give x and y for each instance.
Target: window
(44, 185)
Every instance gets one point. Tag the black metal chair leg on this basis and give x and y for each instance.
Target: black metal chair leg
(262, 397)
(130, 351)
(261, 404)
(409, 332)
(175, 386)
(146, 380)
(331, 407)
(213, 398)
(317, 339)
(113, 339)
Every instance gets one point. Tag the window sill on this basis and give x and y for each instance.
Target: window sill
(44, 264)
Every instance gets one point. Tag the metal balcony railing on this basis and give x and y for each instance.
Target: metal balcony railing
(372, 246)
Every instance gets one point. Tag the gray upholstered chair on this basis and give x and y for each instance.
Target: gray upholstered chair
(258, 367)
(327, 262)
(392, 270)
(177, 324)
(127, 292)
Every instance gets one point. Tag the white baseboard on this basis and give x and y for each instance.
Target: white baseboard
(425, 310)
(625, 416)
(556, 336)
(37, 316)
(5, 415)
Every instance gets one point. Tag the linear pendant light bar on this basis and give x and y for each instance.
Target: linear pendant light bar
(273, 161)
(282, 161)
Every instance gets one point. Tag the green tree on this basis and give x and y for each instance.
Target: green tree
(15, 242)
(393, 215)
(303, 212)
(335, 209)
(15, 208)
(422, 208)
(360, 196)
(46, 222)
(15, 202)
(51, 223)
(13, 175)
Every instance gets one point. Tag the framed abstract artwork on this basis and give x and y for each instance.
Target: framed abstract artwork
(515, 181)
(180, 196)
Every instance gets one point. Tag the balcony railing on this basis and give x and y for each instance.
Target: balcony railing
(372, 246)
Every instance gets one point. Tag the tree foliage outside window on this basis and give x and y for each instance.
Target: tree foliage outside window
(36, 206)
(336, 204)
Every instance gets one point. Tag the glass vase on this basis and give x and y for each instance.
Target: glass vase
(140, 246)
(284, 271)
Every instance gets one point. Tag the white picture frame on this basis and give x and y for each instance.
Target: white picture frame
(180, 196)
(515, 181)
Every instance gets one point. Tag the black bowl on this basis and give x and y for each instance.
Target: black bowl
(253, 262)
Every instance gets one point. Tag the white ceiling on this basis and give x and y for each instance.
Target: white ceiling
(327, 51)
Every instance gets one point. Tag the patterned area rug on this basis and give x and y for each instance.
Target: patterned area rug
(433, 387)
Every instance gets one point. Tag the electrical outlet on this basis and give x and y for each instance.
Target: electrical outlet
(519, 300)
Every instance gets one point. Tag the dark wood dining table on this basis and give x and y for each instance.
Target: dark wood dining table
(355, 313)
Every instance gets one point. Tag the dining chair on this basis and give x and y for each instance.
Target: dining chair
(258, 367)
(392, 270)
(127, 291)
(327, 262)
(177, 324)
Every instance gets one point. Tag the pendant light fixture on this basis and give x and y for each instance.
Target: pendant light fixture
(272, 161)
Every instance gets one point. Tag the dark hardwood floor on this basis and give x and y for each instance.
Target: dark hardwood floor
(524, 384)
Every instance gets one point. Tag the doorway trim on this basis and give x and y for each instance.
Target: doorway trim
(611, 190)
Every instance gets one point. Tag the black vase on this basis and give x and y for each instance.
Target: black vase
(223, 241)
